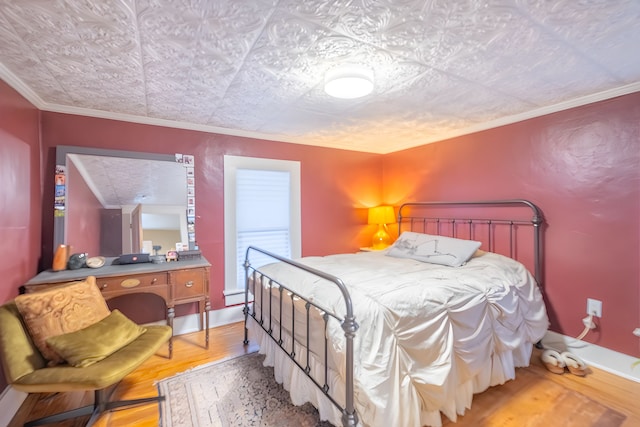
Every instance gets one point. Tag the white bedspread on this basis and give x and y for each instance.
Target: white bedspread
(430, 336)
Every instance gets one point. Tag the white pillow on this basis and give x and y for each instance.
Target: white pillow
(433, 249)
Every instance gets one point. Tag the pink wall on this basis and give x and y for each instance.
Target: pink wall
(20, 194)
(334, 182)
(582, 168)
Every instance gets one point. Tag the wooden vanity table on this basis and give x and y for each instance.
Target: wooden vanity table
(176, 282)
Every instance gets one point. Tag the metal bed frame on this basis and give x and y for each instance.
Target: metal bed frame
(406, 216)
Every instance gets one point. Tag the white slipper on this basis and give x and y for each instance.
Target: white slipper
(574, 364)
(553, 361)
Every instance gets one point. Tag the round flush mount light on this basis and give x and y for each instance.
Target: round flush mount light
(348, 82)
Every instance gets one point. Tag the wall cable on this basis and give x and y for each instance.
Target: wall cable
(588, 325)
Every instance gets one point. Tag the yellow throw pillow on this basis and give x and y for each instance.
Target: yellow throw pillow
(96, 342)
(60, 310)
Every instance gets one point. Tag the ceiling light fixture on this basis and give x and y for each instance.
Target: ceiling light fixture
(348, 81)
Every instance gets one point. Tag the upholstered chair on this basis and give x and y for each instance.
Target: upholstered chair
(94, 351)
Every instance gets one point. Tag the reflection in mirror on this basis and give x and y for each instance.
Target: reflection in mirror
(124, 202)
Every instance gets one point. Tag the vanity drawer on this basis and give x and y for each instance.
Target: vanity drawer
(188, 284)
(133, 282)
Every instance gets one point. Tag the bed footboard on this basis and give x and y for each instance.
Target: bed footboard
(287, 304)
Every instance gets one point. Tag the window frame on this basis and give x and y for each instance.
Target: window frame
(232, 294)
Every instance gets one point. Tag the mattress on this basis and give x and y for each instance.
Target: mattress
(429, 336)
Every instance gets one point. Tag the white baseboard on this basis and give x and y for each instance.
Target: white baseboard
(189, 323)
(10, 401)
(602, 358)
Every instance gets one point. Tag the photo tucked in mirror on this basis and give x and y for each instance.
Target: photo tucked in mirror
(114, 205)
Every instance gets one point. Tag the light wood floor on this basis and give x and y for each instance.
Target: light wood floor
(533, 390)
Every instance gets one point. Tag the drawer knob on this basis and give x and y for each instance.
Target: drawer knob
(104, 286)
(154, 280)
(189, 284)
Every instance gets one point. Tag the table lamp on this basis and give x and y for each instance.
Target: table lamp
(381, 215)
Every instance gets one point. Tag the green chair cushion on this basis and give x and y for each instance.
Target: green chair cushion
(101, 374)
(96, 342)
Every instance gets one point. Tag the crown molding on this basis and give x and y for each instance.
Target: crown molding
(532, 114)
(21, 87)
(32, 97)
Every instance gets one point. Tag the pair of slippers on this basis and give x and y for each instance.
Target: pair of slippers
(556, 362)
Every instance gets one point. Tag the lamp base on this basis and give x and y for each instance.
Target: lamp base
(381, 238)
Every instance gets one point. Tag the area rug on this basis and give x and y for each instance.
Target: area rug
(236, 392)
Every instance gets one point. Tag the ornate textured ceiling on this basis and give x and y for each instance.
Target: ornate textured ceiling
(255, 67)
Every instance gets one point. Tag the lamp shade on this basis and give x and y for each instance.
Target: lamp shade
(382, 215)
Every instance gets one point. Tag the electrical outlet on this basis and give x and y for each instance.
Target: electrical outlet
(594, 307)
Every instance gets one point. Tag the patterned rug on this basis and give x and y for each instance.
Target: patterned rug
(237, 392)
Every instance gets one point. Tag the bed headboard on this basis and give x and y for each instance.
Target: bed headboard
(510, 227)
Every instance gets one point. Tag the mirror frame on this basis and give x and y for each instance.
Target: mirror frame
(61, 160)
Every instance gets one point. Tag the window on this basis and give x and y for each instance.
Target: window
(262, 209)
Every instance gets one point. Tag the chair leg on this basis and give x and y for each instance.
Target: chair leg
(114, 405)
(104, 405)
(74, 413)
(100, 405)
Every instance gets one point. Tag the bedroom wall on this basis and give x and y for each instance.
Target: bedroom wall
(337, 185)
(582, 168)
(20, 197)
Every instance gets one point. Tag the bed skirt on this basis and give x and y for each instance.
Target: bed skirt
(496, 370)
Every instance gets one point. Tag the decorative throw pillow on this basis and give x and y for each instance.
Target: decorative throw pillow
(96, 342)
(433, 249)
(60, 310)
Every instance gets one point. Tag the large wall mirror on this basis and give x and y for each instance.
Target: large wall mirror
(111, 202)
